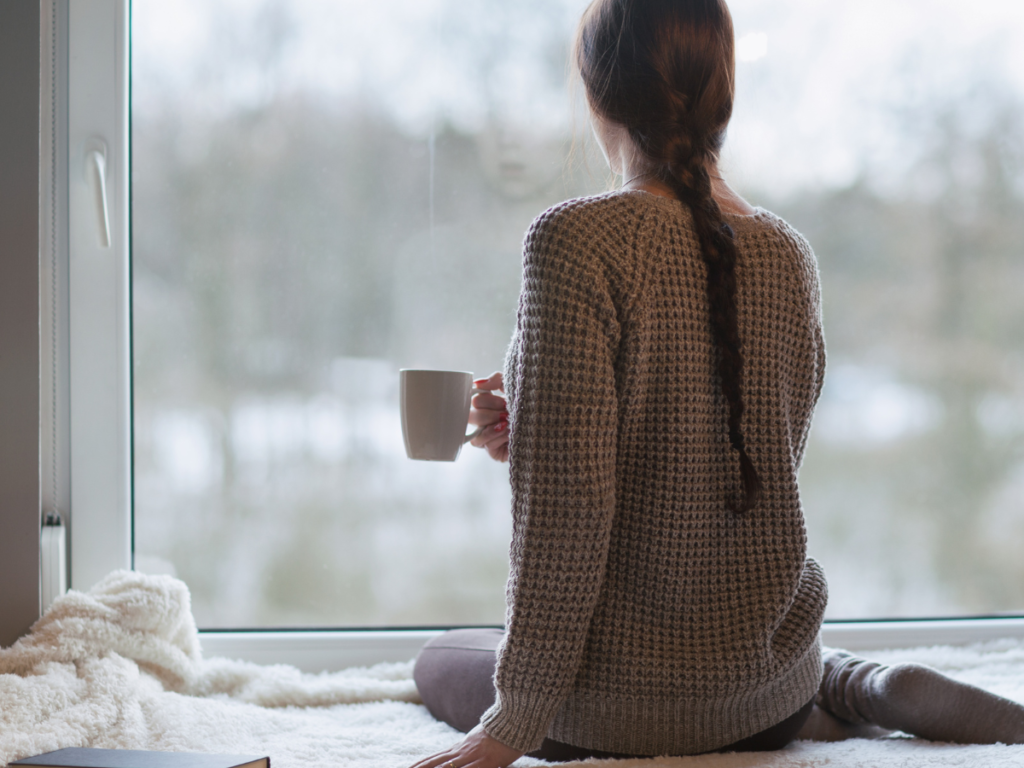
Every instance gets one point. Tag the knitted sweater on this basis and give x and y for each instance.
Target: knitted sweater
(644, 617)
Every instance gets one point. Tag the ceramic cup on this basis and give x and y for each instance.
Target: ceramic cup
(435, 410)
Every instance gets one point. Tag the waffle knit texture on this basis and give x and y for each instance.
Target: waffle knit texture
(643, 616)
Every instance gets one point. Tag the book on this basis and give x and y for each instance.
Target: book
(85, 757)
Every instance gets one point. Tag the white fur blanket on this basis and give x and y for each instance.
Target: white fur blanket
(121, 666)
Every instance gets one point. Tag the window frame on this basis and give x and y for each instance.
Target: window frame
(99, 284)
(98, 482)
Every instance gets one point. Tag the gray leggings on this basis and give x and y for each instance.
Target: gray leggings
(455, 673)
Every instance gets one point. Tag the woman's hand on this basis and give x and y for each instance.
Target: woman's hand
(490, 412)
(477, 750)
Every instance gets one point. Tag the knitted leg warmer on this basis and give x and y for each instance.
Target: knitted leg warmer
(916, 699)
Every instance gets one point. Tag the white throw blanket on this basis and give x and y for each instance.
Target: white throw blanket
(121, 666)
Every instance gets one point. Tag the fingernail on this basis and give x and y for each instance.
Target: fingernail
(479, 381)
(500, 426)
(504, 416)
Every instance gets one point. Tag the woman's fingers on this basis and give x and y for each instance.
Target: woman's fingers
(493, 438)
(477, 750)
(489, 402)
(487, 410)
(492, 382)
(496, 431)
(497, 446)
(499, 452)
(490, 413)
(434, 760)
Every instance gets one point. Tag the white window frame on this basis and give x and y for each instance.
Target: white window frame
(100, 378)
(99, 287)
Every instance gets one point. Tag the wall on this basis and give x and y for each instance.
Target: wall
(19, 317)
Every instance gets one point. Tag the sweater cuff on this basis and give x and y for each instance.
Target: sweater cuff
(520, 720)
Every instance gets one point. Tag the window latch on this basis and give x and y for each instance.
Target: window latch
(96, 177)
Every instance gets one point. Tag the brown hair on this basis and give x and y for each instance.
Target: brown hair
(664, 70)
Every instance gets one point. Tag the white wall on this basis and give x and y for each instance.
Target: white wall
(19, 317)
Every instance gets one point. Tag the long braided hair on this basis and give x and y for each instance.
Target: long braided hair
(664, 70)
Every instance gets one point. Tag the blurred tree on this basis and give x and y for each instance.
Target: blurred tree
(926, 285)
(279, 234)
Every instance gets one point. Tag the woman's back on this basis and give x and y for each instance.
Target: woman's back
(640, 596)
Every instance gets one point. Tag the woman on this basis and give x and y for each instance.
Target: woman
(667, 359)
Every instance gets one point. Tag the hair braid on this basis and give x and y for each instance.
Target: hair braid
(664, 70)
(688, 176)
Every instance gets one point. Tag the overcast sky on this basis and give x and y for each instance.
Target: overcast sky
(819, 80)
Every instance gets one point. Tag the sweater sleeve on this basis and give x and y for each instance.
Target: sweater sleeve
(803, 408)
(560, 381)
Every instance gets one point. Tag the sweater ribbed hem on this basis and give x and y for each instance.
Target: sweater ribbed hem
(685, 726)
(519, 720)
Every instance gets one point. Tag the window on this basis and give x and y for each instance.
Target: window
(324, 193)
(317, 205)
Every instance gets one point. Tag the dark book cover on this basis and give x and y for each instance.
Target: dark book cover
(84, 757)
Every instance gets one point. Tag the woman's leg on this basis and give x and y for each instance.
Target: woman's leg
(914, 699)
(455, 677)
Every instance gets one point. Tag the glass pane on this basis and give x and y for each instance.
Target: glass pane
(324, 192)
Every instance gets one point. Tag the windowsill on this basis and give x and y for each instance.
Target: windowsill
(316, 651)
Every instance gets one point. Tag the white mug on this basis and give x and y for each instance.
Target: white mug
(435, 411)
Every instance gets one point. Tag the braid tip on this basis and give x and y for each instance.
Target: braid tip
(752, 487)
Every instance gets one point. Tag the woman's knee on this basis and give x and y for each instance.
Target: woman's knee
(454, 673)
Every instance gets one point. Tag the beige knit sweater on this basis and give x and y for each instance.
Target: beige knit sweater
(643, 616)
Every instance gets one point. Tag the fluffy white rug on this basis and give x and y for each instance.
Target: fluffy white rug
(120, 666)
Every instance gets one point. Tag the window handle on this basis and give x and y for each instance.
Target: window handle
(96, 174)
